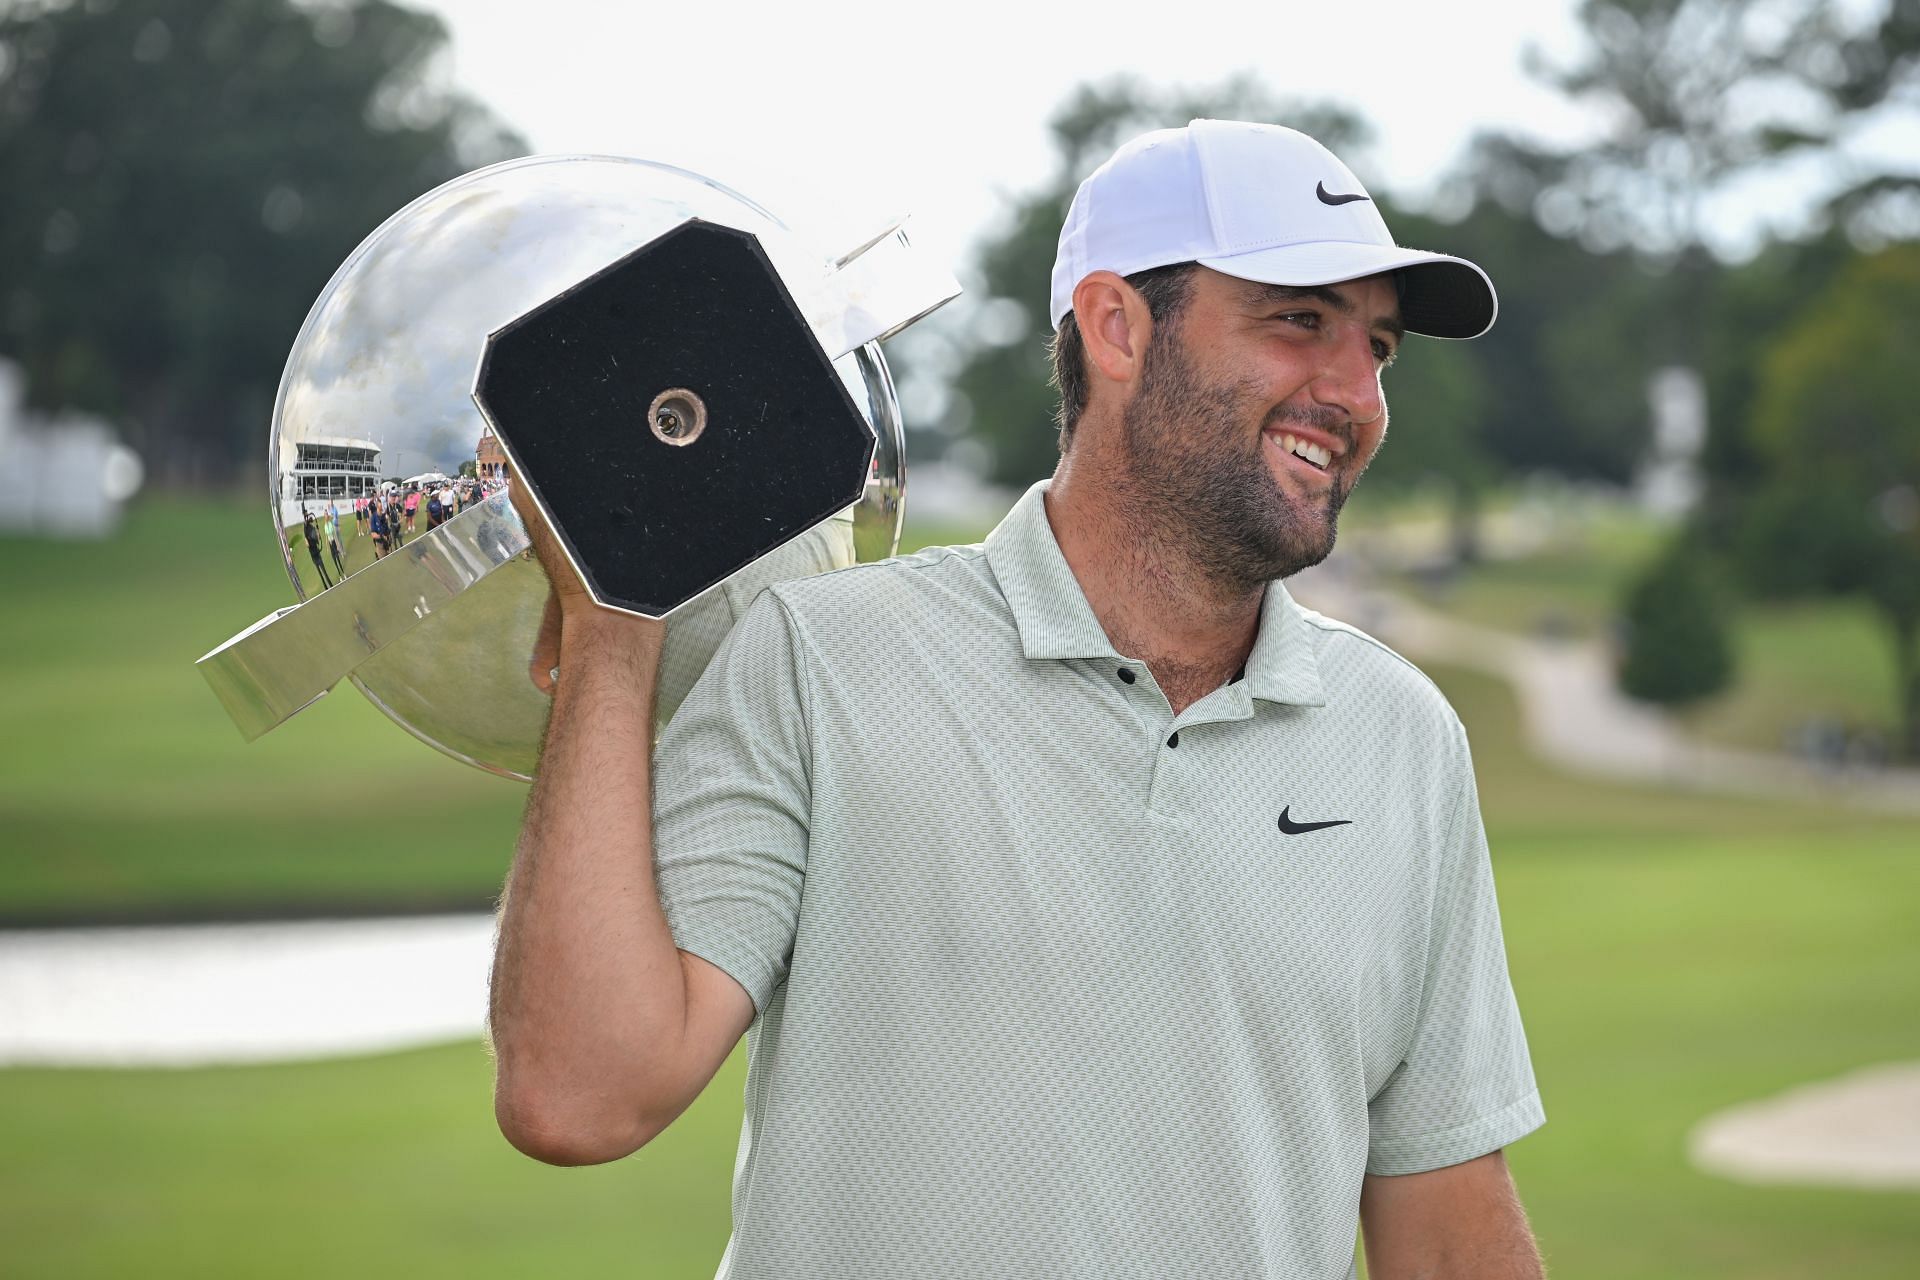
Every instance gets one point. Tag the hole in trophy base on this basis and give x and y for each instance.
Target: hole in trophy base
(677, 416)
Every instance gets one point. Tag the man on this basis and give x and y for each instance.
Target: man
(333, 539)
(313, 547)
(377, 526)
(1107, 914)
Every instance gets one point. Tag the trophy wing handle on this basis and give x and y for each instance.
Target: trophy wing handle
(289, 659)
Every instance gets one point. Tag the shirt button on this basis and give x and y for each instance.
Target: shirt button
(1126, 675)
(1174, 740)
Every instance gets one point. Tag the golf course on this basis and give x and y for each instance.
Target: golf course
(1674, 953)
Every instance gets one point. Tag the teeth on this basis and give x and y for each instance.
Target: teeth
(1313, 453)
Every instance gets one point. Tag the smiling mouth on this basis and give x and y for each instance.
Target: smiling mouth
(1315, 459)
(1314, 455)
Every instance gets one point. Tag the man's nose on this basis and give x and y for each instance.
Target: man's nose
(1350, 378)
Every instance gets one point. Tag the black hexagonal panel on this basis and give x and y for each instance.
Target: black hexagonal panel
(569, 387)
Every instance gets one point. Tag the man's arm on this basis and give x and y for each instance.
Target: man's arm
(1461, 1222)
(603, 1031)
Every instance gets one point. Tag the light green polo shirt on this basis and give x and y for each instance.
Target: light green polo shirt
(1044, 989)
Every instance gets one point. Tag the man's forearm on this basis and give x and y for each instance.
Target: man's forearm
(589, 996)
(1462, 1222)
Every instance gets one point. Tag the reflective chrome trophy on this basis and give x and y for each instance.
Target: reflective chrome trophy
(694, 398)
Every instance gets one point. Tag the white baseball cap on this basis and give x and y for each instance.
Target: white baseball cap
(1263, 203)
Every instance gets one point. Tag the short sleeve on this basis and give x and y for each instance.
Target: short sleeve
(1465, 1086)
(732, 788)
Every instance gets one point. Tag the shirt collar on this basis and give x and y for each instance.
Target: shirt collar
(1048, 606)
(1055, 620)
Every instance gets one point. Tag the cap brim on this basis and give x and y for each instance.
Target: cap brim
(1442, 297)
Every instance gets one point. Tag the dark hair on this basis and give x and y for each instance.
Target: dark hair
(1165, 291)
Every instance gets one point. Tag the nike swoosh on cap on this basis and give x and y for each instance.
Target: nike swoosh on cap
(1327, 197)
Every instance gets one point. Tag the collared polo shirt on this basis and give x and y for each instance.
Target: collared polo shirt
(1051, 982)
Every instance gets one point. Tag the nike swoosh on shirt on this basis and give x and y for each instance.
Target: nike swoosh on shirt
(1327, 197)
(1293, 828)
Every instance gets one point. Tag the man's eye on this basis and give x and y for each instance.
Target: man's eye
(1383, 353)
(1305, 319)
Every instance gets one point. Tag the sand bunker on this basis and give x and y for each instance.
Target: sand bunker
(209, 994)
(1860, 1130)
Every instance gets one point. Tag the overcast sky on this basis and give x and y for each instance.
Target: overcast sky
(838, 116)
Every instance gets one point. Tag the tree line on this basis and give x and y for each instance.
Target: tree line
(180, 183)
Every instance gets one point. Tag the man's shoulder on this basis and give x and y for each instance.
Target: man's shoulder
(936, 610)
(927, 578)
(1357, 666)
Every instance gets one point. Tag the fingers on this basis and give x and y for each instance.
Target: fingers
(561, 576)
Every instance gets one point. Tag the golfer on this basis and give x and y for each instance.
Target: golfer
(1091, 908)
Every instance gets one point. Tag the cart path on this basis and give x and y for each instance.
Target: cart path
(1574, 716)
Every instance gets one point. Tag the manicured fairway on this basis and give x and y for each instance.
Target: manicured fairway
(1676, 954)
(1673, 953)
(125, 789)
(376, 1167)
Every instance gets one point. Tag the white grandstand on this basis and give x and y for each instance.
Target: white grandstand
(326, 468)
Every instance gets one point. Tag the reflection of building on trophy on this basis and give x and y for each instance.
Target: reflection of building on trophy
(325, 467)
(490, 460)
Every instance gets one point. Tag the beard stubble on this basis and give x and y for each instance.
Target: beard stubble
(1202, 484)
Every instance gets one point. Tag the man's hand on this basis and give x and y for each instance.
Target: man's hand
(566, 593)
(1463, 1222)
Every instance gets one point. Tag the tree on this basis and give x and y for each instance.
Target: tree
(1562, 374)
(1677, 647)
(182, 180)
(1752, 305)
(1698, 93)
(1837, 508)
(1701, 99)
(1864, 76)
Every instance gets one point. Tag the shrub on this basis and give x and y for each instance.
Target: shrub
(1677, 646)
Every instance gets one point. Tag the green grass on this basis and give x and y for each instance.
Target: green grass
(1571, 586)
(1674, 953)
(1829, 660)
(125, 789)
(1826, 659)
(386, 1166)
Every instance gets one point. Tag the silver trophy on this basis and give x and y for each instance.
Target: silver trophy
(694, 397)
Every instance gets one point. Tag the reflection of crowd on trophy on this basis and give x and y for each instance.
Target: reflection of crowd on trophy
(393, 514)
(386, 518)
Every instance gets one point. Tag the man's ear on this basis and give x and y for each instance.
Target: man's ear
(1114, 325)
